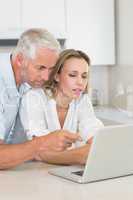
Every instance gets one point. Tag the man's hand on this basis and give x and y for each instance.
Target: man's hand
(58, 140)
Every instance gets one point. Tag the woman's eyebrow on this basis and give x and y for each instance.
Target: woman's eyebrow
(74, 71)
(44, 66)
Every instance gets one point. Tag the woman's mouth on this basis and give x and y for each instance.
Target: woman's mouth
(77, 91)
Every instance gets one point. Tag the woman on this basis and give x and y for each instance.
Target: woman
(63, 104)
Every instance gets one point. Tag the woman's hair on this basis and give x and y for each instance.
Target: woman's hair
(34, 38)
(65, 55)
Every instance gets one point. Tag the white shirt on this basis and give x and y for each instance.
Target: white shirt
(9, 98)
(39, 116)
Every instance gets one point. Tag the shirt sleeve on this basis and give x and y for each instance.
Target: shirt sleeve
(88, 124)
(2, 119)
(32, 114)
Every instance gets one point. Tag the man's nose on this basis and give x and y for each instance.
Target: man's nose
(45, 75)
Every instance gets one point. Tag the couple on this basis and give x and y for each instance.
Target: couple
(32, 61)
(63, 104)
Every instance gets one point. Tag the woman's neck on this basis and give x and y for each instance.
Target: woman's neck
(62, 101)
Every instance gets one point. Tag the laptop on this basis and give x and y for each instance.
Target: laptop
(110, 156)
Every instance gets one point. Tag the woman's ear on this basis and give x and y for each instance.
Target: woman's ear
(56, 78)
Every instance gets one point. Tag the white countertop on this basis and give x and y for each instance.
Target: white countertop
(113, 114)
(32, 181)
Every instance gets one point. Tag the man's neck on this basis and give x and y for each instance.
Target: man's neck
(15, 71)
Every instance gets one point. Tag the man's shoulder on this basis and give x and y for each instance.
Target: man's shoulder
(32, 92)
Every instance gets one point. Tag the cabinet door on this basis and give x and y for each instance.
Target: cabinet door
(47, 14)
(90, 27)
(10, 19)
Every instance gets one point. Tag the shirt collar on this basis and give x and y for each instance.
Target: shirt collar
(8, 75)
(25, 87)
(9, 79)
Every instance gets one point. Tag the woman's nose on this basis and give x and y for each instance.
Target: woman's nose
(79, 81)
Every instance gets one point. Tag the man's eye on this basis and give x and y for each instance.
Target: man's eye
(41, 68)
(51, 69)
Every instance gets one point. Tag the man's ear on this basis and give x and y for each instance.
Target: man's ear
(19, 59)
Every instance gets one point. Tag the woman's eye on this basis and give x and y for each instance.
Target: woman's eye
(72, 75)
(84, 77)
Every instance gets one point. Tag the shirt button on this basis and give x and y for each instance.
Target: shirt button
(1, 108)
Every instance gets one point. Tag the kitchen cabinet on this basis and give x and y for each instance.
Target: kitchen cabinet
(90, 27)
(10, 18)
(18, 15)
(45, 13)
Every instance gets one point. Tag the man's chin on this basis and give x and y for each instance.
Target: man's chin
(37, 85)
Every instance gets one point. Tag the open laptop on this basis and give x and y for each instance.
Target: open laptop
(111, 156)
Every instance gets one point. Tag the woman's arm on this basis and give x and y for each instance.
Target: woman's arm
(32, 113)
(88, 123)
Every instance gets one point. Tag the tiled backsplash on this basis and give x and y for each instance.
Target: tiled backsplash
(114, 85)
(121, 86)
(99, 81)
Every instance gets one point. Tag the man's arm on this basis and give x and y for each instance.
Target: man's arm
(12, 155)
(67, 157)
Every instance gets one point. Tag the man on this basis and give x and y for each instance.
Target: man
(28, 66)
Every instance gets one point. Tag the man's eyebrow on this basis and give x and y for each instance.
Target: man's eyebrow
(40, 65)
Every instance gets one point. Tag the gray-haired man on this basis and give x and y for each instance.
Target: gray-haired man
(31, 62)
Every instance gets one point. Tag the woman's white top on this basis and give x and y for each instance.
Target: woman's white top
(39, 116)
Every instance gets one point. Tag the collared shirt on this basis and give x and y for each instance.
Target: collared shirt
(9, 97)
(39, 116)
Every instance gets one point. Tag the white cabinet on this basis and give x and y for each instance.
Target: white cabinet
(10, 17)
(18, 15)
(45, 13)
(90, 27)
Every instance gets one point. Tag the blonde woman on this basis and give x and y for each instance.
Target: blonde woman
(64, 104)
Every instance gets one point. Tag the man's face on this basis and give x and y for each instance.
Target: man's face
(36, 71)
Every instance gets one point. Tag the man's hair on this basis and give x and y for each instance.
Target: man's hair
(35, 38)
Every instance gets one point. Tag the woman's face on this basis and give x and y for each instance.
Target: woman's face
(73, 78)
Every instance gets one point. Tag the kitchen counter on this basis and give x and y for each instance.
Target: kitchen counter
(32, 181)
(112, 114)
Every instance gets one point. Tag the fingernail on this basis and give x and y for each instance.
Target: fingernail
(80, 138)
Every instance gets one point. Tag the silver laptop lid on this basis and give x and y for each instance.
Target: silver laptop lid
(111, 154)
